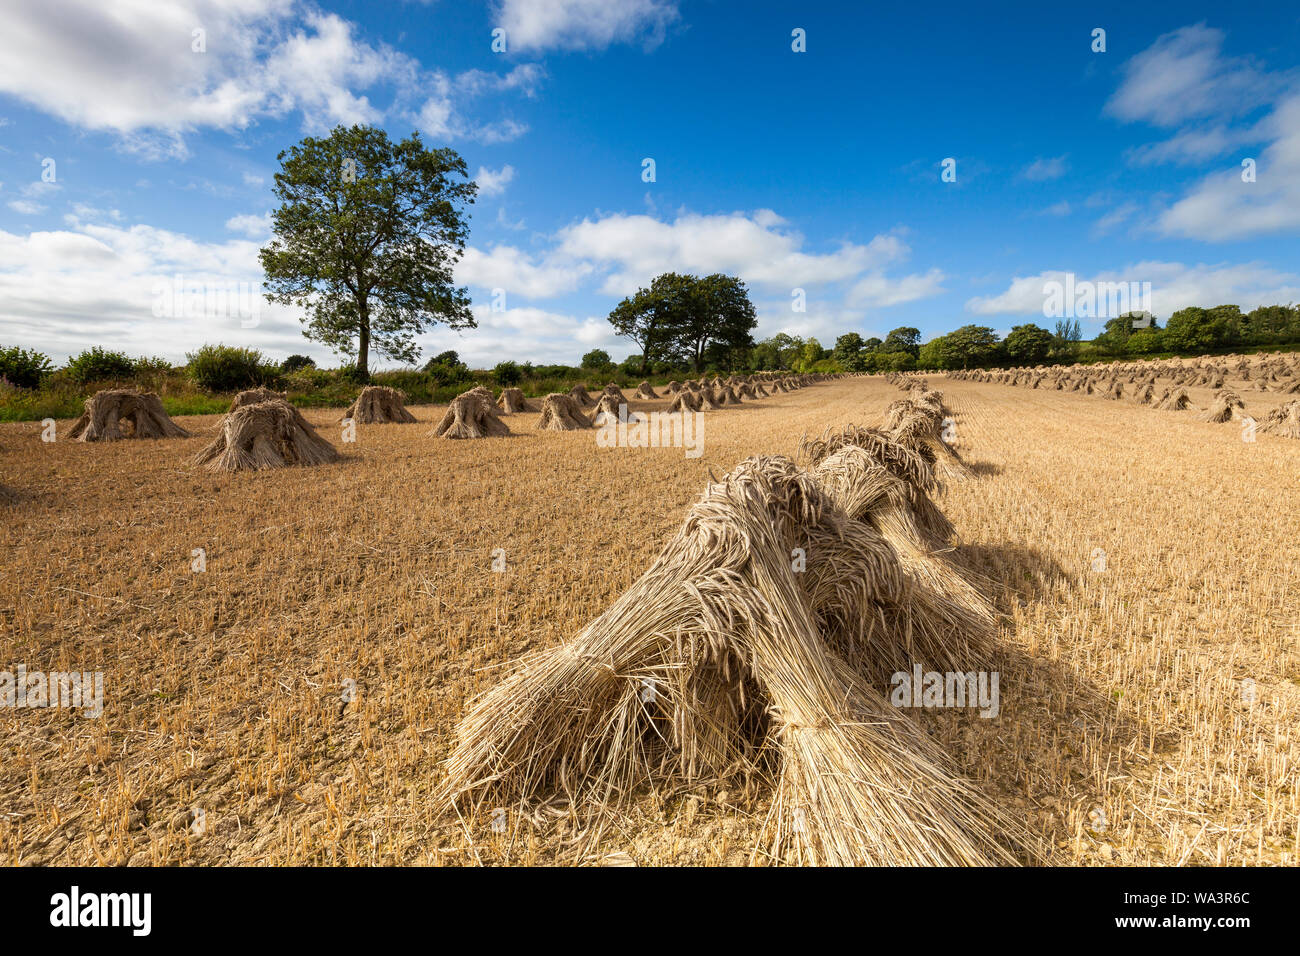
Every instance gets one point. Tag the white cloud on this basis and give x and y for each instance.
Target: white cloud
(508, 268)
(26, 207)
(33, 192)
(1223, 206)
(879, 290)
(1041, 170)
(81, 211)
(540, 336)
(526, 78)
(65, 290)
(637, 248)
(768, 219)
(1184, 76)
(1174, 286)
(252, 227)
(620, 253)
(96, 282)
(252, 179)
(494, 182)
(1061, 208)
(1114, 219)
(1185, 81)
(1193, 146)
(130, 69)
(583, 24)
(439, 118)
(506, 223)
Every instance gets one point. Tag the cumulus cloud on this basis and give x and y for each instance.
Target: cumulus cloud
(135, 69)
(583, 24)
(519, 274)
(1185, 82)
(879, 290)
(254, 227)
(1225, 205)
(494, 182)
(1174, 286)
(542, 336)
(635, 248)
(92, 283)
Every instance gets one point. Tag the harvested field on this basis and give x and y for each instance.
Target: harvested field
(304, 690)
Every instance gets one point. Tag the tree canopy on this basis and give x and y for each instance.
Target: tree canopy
(649, 316)
(687, 318)
(1028, 344)
(366, 238)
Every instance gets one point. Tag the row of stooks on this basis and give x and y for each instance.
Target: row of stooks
(263, 430)
(1279, 373)
(726, 663)
(1137, 382)
(474, 414)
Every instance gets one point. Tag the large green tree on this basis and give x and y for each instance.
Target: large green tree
(366, 238)
(1271, 323)
(788, 348)
(933, 354)
(649, 316)
(972, 346)
(903, 339)
(718, 311)
(1028, 344)
(1195, 330)
(848, 351)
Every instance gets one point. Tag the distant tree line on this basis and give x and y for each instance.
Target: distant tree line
(1189, 331)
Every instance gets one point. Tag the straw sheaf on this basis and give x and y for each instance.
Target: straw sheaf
(270, 434)
(734, 641)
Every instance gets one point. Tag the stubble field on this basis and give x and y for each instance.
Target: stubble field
(1126, 733)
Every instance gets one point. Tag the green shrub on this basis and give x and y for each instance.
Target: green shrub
(151, 366)
(295, 362)
(224, 368)
(270, 376)
(352, 375)
(557, 371)
(447, 369)
(1145, 342)
(448, 358)
(23, 368)
(307, 379)
(98, 365)
(507, 374)
(415, 383)
(49, 401)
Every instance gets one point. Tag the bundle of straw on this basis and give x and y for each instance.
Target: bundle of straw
(747, 658)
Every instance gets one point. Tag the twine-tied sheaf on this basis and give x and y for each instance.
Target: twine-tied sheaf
(769, 673)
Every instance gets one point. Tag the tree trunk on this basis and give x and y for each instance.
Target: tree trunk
(363, 344)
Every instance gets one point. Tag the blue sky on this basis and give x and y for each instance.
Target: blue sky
(816, 170)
